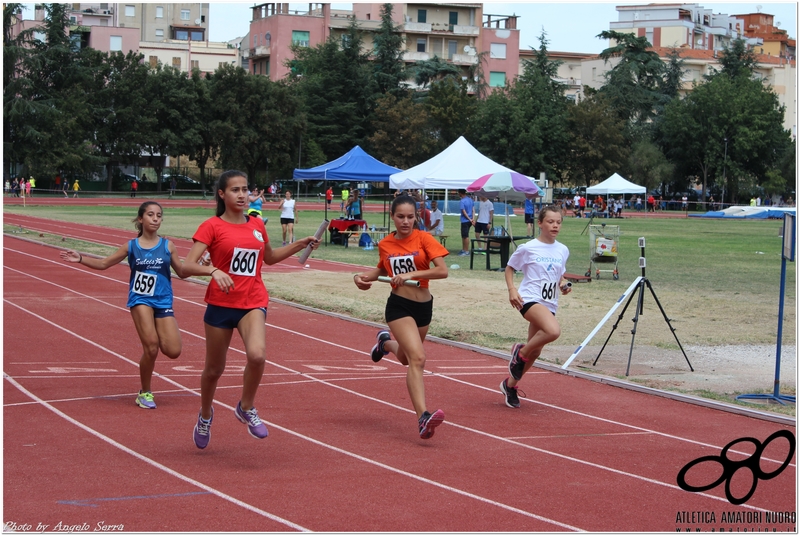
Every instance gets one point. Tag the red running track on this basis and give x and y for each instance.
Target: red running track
(343, 452)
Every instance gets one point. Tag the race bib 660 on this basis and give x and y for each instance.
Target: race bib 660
(244, 262)
(144, 283)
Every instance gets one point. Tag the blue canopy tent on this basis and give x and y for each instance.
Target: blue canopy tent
(354, 166)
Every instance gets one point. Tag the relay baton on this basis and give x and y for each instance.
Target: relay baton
(319, 233)
(407, 283)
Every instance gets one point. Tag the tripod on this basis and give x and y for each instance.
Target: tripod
(637, 286)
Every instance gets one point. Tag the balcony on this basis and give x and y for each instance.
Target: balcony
(260, 51)
(418, 27)
(458, 29)
(464, 59)
(415, 56)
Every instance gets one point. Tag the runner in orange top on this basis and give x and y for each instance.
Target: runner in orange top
(404, 255)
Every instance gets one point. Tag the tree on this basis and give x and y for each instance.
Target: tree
(264, 121)
(634, 85)
(402, 135)
(598, 147)
(647, 165)
(170, 116)
(739, 116)
(450, 108)
(524, 127)
(432, 70)
(737, 60)
(389, 69)
(207, 124)
(337, 91)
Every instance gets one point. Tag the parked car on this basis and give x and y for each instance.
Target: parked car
(183, 182)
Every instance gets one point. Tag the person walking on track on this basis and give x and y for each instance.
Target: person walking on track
(542, 262)
(404, 255)
(288, 217)
(150, 291)
(236, 297)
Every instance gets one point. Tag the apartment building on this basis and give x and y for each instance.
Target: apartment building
(457, 33)
(677, 25)
(775, 42)
(170, 34)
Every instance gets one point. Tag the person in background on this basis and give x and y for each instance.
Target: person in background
(29, 188)
(329, 196)
(75, 188)
(345, 206)
(529, 214)
(436, 219)
(485, 217)
(355, 207)
(288, 217)
(466, 207)
(134, 187)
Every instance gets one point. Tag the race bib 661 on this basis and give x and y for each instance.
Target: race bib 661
(244, 262)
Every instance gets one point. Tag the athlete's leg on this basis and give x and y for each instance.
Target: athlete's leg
(253, 333)
(409, 350)
(217, 341)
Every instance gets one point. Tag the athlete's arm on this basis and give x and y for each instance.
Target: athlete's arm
(364, 280)
(97, 263)
(273, 256)
(176, 264)
(513, 294)
(191, 267)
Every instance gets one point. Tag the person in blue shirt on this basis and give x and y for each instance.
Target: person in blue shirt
(150, 291)
(467, 220)
(529, 214)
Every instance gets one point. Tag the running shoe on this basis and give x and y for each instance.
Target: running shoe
(255, 426)
(377, 351)
(428, 423)
(202, 430)
(463, 253)
(511, 394)
(516, 364)
(145, 400)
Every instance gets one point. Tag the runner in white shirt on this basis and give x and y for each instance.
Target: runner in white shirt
(542, 262)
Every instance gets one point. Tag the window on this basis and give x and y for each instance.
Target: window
(452, 49)
(421, 45)
(195, 64)
(255, 40)
(182, 35)
(153, 62)
(185, 14)
(268, 39)
(176, 63)
(422, 15)
(197, 35)
(73, 20)
(593, 73)
(159, 33)
(499, 50)
(159, 12)
(650, 35)
(453, 17)
(301, 38)
(345, 40)
(130, 11)
(497, 79)
(115, 43)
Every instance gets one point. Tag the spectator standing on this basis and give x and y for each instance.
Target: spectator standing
(583, 202)
(75, 188)
(576, 205)
(288, 216)
(436, 219)
(529, 214)
(134, 187)
(329, 196)
(467, 220)
(30, 186)
(684, 203)
(8, 187)
(485, 217)
(345, 196)
(650, 201)
(173, 185)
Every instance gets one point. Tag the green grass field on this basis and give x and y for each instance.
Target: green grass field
(685, 254)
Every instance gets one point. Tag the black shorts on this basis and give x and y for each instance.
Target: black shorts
(529, 218)
(399, 307)
(286, 220)
(465, 228)
(480, 228)
(527, 307)
(226, 318)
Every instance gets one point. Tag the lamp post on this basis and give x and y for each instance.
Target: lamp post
(724, 175)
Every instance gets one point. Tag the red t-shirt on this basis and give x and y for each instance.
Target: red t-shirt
(329, 195)
(238, 250)
(414, 253)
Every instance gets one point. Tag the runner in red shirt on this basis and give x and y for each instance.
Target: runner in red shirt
(236, 297)
(404, 255)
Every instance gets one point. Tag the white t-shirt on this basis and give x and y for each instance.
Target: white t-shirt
(435, 215)
(484, 215)
(287, 212)
(542, 265)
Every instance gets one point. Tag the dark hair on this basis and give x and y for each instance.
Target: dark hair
(462, 191)
(142, 209)
(549, 208)
(221, 185)
(402, 199)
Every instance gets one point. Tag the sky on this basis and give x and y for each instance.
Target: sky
(570, 26)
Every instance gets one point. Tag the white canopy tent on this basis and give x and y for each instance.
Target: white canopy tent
(614, 185)
(456, 167)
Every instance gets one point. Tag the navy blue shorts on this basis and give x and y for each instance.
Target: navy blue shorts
(399, 307)
(465, 228)
(527, 307)
(529, 218)
(163, 313)
(226, 318)
(480, 228)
